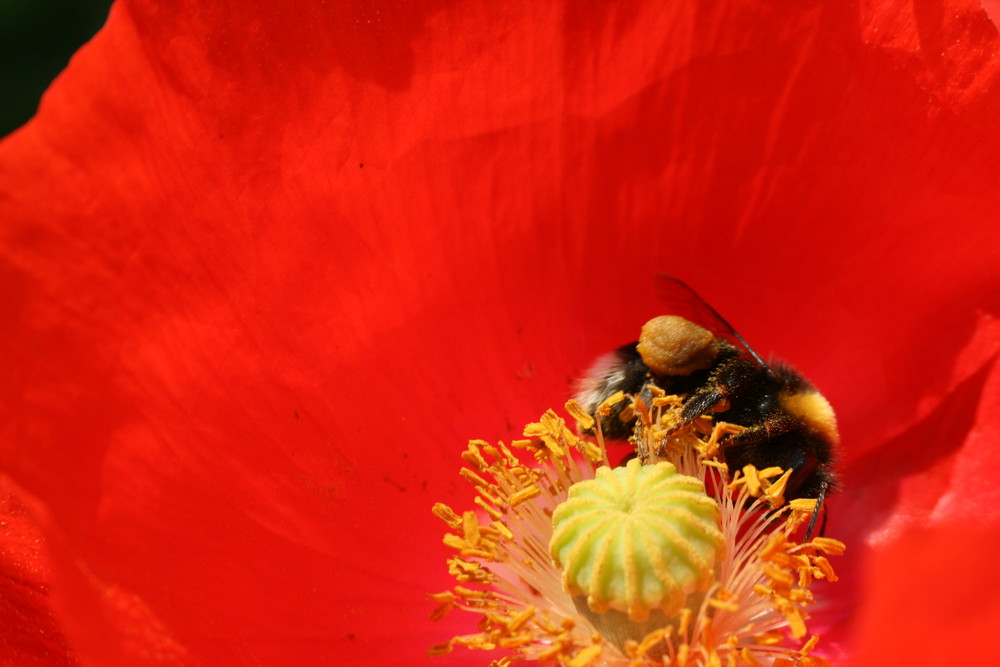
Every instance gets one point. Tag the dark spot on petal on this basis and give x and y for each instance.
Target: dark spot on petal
(394, 483)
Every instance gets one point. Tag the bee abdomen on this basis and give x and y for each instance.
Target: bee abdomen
(622, 370)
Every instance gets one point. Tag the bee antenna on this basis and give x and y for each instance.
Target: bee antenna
(816, 510)
(721, 319)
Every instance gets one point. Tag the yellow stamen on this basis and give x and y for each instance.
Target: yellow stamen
(577, 412)
(804, 505)
(751, 480)
(604, 409)
(586, 656)
(776, 492)
(504, 574)
(524, 495)
(829, 546)
(768, 473)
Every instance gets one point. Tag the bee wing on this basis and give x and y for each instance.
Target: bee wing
(682, 300)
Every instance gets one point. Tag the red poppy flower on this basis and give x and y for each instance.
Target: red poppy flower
(267, 266)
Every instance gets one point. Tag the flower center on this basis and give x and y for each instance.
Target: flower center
(636, 539)
(567, 560)
(633, 544)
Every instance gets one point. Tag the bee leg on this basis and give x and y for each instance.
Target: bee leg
(820, 505)
(728, 380)
(764, 445)
(770, 428)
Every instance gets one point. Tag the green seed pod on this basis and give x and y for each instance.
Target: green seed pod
(637, 539)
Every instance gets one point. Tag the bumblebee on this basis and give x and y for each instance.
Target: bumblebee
(786, 421)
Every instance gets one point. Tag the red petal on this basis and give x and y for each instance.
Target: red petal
(935, 472)
(929, 600)
(269, 265)
(32, 635)
(936, 468)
